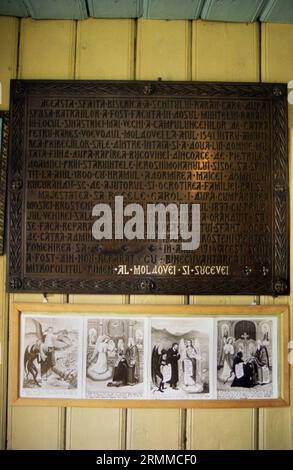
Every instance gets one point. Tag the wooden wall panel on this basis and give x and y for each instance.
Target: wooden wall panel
(277, 66)
(36, 428)
(95, 428)
(3, 350)
(225, 51)
(275, 429)
(163, 49)
(277, 59)
(160, 45)
(154, 429)
(105, 427)
(222, 429)
(8, 55)
(8, 64)
(47, 49)
(105, 49)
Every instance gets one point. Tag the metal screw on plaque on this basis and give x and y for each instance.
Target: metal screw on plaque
(277, 92)
(280, 286)
(147, 285)
(15, 283)
(279, 188)
(264, 270)
(247, 270)
(19, 88)
(148, 89)
(16, 184)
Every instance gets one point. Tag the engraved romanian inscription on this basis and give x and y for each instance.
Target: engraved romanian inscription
(92, 158)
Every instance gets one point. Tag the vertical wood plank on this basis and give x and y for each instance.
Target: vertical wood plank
(275, 429)
(3, 350)
(276, 425)
(163, 49)
(154, 429)
(110, 434)
(105, 49)
(97, 299)
(219, 429)
(36, 428)
(95, 428)
(8, 53)
(225, 51)
(276, 59)
(207, 429)
(159, 428)
(47, 49)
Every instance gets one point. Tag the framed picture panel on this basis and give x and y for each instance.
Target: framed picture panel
(150, 356)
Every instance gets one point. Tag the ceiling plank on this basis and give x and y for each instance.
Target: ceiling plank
(172, 9)
(13, 8)
(232, 10)
(278, 11)
(115, 8)
(57, 9)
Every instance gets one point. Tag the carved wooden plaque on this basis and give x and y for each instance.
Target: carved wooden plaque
(4, 129)
(148, 187)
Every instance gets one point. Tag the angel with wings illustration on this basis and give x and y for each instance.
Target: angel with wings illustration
(40, 354)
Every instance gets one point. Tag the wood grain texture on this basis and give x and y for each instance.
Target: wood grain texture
(104, 49)
(225, 51)
(276, 429)
(35, 428)
(111, 435)
(207, 429)
(47, 49)
(163, 50)
(276, 54)
(8, 53)
(95, 428)
(154, 429)
(8, 69)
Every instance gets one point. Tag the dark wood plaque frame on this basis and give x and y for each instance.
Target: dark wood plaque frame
(272, 282)
(4, 116)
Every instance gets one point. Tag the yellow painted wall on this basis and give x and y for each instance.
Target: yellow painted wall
(143, 49)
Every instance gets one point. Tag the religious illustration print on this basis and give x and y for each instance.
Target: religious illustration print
(180, 358)
(114, 361)
(246, 358)
(51, 356)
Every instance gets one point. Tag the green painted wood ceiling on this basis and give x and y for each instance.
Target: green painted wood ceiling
(274, 11)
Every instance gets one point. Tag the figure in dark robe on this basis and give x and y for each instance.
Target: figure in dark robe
(161, 371)
(173, 357)
(120, 375)
(243, 372)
